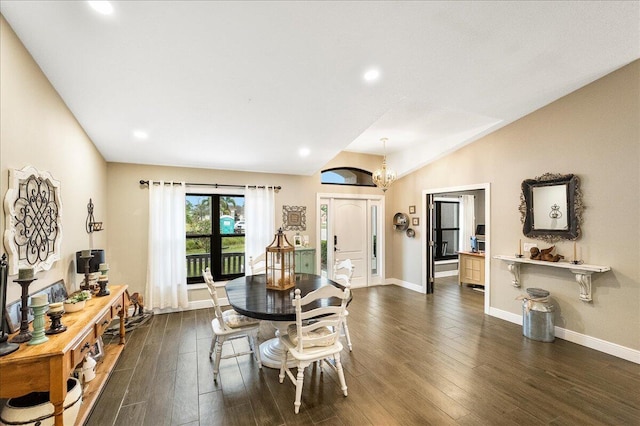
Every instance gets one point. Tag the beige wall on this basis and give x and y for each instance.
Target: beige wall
(127, 221)
(594, 133)
(37, 128)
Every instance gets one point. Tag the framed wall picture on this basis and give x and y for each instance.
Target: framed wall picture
(97, 350)
(415, 221)
(412, 209)
(294, 218)
(297, 241)
(56, 292)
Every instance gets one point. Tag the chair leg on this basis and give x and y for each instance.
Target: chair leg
(253, 339)
(346, 334)
(343, 383)
(216, 364)
(213, 345)
(283, 365)
(299, 383)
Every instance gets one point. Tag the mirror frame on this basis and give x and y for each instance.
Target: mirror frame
(574, 207)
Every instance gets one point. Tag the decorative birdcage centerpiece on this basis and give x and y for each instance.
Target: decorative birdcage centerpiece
(280, 263)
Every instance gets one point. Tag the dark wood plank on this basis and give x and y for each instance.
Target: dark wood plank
(131, 415)
(185, 395)
(106, 409)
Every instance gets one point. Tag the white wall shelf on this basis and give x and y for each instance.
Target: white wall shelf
(582, 271)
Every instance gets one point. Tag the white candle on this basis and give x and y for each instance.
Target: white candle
(520, 247)
(25, 273)
(104, 267)
(56, 307)
(575, 257)
(86, 253)
(39, 300)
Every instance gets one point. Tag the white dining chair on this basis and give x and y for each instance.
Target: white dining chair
(258, 264)
(342, 273)
(310, 341)
(229, 325)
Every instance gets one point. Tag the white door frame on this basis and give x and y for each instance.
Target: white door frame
(379, 201)
(487, 221)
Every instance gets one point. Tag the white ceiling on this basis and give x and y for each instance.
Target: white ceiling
(245, 85)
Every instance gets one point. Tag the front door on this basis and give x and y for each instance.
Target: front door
(351, 227)
(350, 236)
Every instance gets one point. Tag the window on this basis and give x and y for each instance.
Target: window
(346, 176)
(217, 244)
(447, 229)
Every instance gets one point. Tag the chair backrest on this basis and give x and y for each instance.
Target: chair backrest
(258, 264)
(343, 271)
(213, 293)
(206, 274)
(325, 329)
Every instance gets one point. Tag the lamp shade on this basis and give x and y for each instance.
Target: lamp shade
(94, 262)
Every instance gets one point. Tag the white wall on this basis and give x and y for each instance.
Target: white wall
(37, 128)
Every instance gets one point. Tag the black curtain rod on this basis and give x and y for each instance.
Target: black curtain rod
(216, 185)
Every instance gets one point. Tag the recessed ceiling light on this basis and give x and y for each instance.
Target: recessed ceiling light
(304, 152)
(372, 75)
(139, 134)
(103, 7)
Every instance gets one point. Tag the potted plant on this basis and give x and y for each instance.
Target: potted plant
(76, 302)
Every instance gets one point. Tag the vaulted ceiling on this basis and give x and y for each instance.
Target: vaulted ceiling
(249, 85)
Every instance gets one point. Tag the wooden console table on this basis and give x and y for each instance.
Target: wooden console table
(46, 367)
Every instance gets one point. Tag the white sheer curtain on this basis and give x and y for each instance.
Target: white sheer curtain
(259, 212)
(467, 221)
(166, 265)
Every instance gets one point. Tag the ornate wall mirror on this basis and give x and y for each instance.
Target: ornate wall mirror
(551, 207)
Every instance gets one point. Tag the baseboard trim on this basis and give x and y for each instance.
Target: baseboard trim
(451, 273)
(193, 305)
(600, 345)
(406, 284)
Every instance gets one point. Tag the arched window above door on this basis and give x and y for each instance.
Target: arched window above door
(346, 176)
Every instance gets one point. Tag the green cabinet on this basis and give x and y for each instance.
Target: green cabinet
(305, 259)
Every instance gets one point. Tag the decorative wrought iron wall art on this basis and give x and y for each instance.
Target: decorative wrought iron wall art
(92, 225)
(33, 211)
(294, 218)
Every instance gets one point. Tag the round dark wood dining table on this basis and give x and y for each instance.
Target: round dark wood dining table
(249, 296)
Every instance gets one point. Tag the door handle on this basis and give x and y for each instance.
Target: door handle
(335, 243)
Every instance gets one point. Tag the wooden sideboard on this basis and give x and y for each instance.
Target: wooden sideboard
(470, 268)
(46, 367)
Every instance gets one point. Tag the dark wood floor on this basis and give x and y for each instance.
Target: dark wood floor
(417, 360)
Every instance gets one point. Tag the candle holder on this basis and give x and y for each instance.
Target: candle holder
(25, 334)
(519, 256)
(577, 262)
(56, 326)
(104, 291)
(38, 335)
(87, 272)
(5, 347)
(103, 280)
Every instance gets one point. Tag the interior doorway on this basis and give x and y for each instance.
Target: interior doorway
(460, 229)
(350, 226)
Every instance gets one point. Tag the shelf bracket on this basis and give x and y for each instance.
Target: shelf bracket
(583, 278)
(514, 268)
